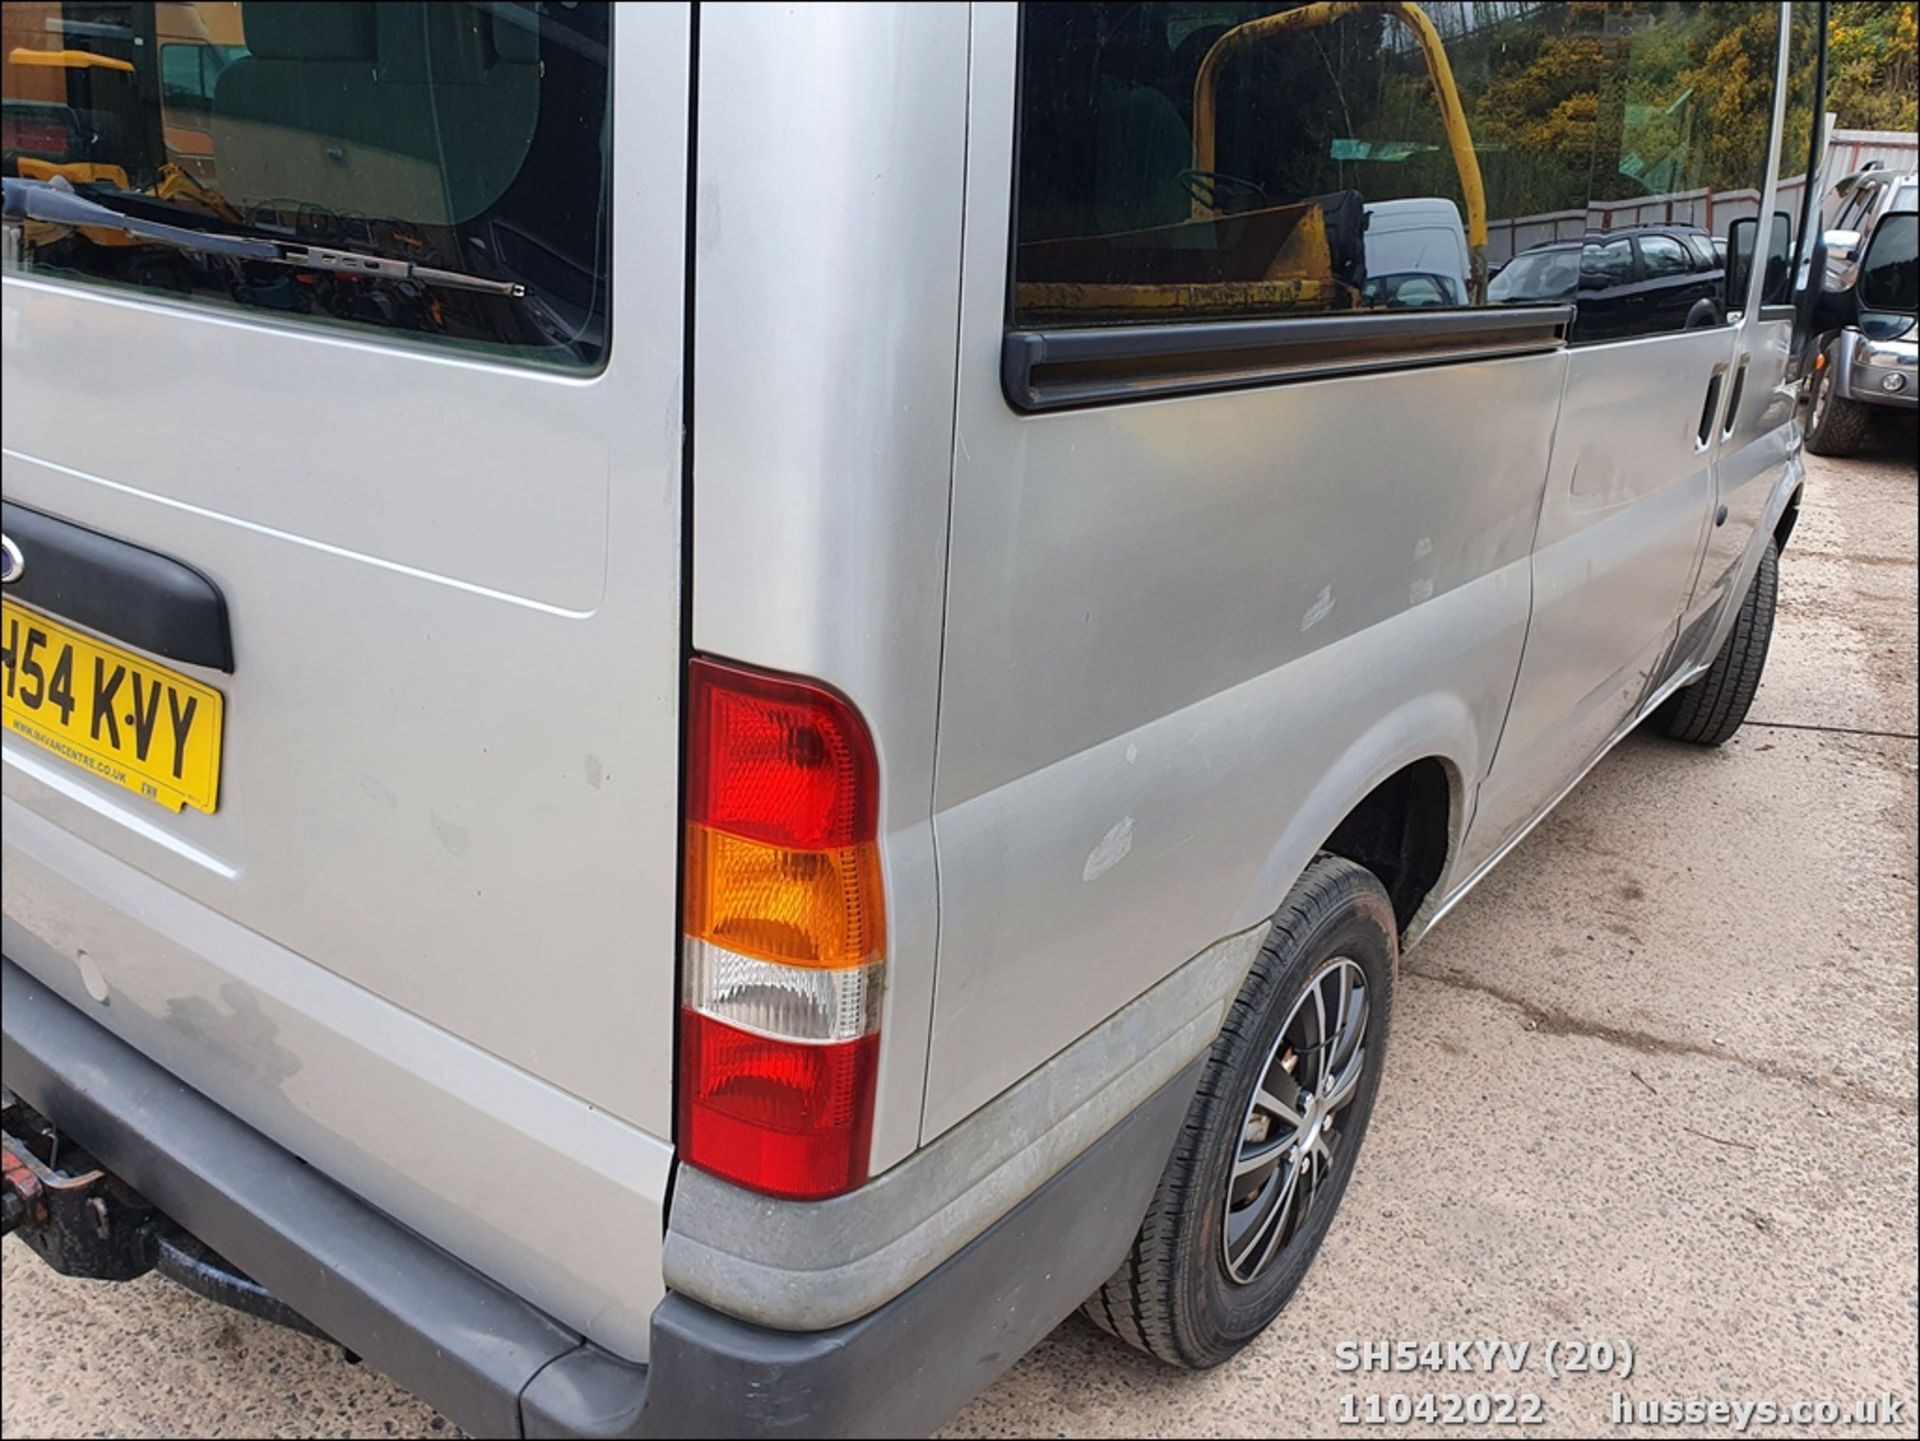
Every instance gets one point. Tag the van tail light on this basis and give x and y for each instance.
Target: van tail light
(785, 943)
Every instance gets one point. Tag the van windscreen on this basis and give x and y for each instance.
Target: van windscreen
(435, 169)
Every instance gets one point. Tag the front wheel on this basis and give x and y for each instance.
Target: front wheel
(1710, 710)
(1835, 426)
(1272, 1133)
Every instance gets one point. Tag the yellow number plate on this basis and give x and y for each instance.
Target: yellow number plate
(121, 716)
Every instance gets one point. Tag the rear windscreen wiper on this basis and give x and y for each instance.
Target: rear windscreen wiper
(58, 203)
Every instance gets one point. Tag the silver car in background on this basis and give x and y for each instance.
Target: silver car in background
(1860, 377)
(708, 708)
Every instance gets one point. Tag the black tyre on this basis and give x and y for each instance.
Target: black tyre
(1273, 1131)
(1709, 711)
(1704, 314)
(1835, 426)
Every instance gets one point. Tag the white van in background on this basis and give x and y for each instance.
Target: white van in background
(1416, 253)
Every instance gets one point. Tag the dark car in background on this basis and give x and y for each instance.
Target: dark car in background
(1628, 282)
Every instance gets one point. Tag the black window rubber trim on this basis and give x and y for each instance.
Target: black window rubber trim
(1042, 370)
(124, 591)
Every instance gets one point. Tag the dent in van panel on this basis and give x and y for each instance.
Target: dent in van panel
(91, 976)
(1111, 850)
(1097, 582)
(1248, 782)
(1112, 565)
(1752, 462)
(1621, 525)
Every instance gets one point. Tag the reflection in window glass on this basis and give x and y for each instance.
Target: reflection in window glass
(1663, 255)
(1414, 290)
(1201, 161)
(1890, 280)
(1545, 273)
(188, 74)
(456, 151)
(1606, 263)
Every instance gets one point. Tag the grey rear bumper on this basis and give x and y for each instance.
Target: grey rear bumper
(498, 1366)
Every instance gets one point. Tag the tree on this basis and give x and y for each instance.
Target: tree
(1871, 64)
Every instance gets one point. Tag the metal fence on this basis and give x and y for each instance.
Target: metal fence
(1712, 210)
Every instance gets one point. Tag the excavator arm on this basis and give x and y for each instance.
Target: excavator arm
(1453, 117)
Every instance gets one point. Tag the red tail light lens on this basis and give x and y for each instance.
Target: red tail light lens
(786, 761)
(792, 1120)
(784, 948)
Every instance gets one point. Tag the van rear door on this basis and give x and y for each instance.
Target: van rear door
(443, 508)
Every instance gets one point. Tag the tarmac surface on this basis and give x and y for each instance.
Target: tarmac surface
(1653, 1084)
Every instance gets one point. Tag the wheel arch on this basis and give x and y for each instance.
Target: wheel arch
(1402, 831)
(1788, 518)
(1395, 802)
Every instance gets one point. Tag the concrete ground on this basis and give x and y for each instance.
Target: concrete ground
(1653, 1084)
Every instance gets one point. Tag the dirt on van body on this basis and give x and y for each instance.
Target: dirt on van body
(1652, 1085)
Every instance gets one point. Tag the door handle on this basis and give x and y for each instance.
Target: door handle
(1703, 436)
(1733, 399)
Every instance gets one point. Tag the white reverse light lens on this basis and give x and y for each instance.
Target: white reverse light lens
(792, 1003)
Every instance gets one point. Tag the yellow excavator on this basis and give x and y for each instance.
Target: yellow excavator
(1229, 262)
(36, 95)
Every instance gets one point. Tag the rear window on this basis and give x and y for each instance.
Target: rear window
(430, 172)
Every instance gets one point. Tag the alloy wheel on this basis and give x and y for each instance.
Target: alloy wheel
(1292, 1130)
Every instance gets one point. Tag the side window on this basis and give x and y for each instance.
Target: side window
(1853, 215)
(1892, 282)
(1662, 256)
(457, 150)
(183, 86)
(1606, 264)
(1185, 162)
(189, 71)
(1545, 273)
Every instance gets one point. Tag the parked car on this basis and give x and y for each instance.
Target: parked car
(1858, 378)
(1628, 281)
(709, 709)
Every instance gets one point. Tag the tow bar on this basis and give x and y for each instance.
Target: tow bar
(83, 1220)
(80, 1219)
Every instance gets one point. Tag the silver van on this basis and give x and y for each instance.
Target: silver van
(708, 708)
